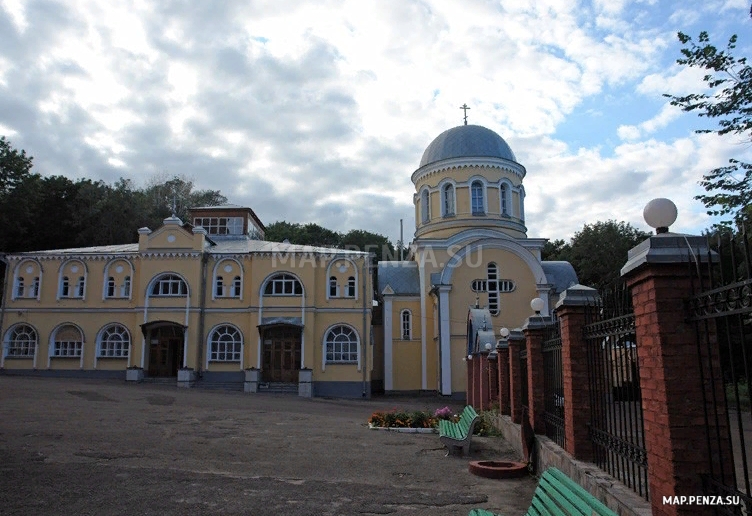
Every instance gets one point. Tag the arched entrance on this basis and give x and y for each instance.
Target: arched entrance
(280, 353)
(165, 348)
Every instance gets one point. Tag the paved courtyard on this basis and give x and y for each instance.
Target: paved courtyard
(104, 447)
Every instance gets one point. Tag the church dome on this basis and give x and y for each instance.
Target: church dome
(467, 141)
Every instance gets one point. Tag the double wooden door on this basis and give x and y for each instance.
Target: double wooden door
(165, 356)
(281, 355)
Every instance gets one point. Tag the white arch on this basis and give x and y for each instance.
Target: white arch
(208, 342)
(302, 312)
(505, 245)
(51, 343)
(147, 296)
(506, 197)
(214, 275)
(60, 278)
(107, 275)
(6, 343)
(97, 347)
(16, 274)
(442, 184)
(326, 334)
(425, 204)
(484, 190)
(410, 324)
(329, 274)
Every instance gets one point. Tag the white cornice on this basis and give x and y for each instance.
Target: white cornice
(453, 163)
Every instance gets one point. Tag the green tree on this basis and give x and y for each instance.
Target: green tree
(15, 167)
(361, 240)
(598, 251)
(729, 80)
(162, 192)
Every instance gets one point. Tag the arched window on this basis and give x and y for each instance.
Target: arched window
(283, 285)
(351, 286)
(476, 198)
(34, 288)
(125, 288)
(447, 200)
(64, 287)
(341, 345)
(225, 344)
(425, 208)
(80, 286)
(169, 285)
(522, 203)
(219, 287)
(504, 198)
(110, 287)
(407, 325)
(236, 286)
(114, 341)
(19, 287)
(26, 280)
(21, 341)
(68, 342)
(332, 286)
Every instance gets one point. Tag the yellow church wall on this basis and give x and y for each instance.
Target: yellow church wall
(463, 175)
(407, 365)
(160, 238)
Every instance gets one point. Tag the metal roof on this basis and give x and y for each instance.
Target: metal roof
(467, 141)
(559, 274)
(402, 277)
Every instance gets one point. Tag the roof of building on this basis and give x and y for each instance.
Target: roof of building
(232, 207)
(220, 247)
(560, 274)
(402, 277)
(467, 141)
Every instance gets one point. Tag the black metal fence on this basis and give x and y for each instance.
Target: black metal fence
(616, 425)
(553, 384)
(722, 312)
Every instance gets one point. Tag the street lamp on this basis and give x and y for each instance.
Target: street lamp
(660, 214)
(537, 305)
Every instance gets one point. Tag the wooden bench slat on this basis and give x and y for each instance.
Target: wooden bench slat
(570, 499)
(594, 505)
(555, 498)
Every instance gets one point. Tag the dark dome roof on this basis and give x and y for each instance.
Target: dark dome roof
(467, 141)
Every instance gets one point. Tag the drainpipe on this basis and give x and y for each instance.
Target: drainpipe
(365, 270)
(202, 313)
(2, 303)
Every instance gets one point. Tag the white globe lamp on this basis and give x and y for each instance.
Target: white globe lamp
(504, 332)
(660, 214)
(537, 305)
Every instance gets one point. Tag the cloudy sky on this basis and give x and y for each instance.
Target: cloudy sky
(320, 111)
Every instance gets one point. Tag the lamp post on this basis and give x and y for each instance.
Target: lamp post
(537, 305)
(660, 213)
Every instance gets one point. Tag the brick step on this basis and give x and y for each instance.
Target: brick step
(225, 386)
(278, 387)
(161, 380)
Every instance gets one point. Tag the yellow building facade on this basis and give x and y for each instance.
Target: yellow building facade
(472, 268)
(202, 303)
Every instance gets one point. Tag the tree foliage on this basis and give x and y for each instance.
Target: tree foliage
(729, 80)
(315, 235)
(597, 252)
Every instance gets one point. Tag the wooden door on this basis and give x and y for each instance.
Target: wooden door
(281, 355)
(165, 357)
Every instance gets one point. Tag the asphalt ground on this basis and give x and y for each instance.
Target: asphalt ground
(79, 447)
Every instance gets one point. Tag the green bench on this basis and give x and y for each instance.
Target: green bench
(560, 495)
(458, 435)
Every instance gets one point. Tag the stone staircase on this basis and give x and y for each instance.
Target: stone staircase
(278, 388)
(161, 380)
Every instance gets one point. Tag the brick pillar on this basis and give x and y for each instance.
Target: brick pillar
(493, 383)
(574, 363)
(667, 351)
(485, 391)
(469, 391)
(516, 341)
(477, 378)
(502, 364)
(534, 329)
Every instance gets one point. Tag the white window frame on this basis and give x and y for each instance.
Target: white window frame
(66, 348)
(332, 293)
(109, 347)
(337, 352)
(406, 324)
(221, 350)
(166, 282)
(481, 187)
(425, 206)
(351, 289)
(13, 345)
(277, 286)
(448, 190)
(76, 285)
(505, 200)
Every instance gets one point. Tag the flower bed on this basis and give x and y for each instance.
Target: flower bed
(415, 419)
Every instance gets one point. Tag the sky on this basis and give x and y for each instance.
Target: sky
(320, 111)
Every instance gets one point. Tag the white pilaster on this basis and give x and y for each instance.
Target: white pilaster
(446, 341)
(388, 360)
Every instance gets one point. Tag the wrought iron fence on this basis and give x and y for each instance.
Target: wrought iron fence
(523, 378)
(553, 384)
(721, 310)
(616, 425)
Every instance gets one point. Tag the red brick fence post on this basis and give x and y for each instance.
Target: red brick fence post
(659, 277)
(516, 341)
(534, 330)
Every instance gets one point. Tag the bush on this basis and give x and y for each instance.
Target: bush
(403, 419)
